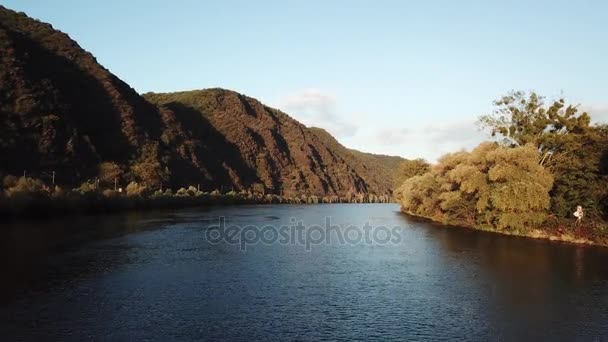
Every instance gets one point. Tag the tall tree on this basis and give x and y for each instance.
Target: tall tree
(410, 168)
(521, 118)
(148, 169)
(109, 172)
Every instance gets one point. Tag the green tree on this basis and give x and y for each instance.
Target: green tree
(493, 186)
(521, 119)
(519, 193)
(581, 174)
(571, 148)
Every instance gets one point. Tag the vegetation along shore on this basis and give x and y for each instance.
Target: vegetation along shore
(546, 160)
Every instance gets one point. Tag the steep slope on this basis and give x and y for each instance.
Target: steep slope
(259, 144)
(63, 113)
(376, 169)
(59, 109)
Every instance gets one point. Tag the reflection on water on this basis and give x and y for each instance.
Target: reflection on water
(153, 276)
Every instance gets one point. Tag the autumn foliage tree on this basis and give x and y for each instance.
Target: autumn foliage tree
(410, 168)
(148, 169)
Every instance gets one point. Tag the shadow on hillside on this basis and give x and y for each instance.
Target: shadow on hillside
(221, 159)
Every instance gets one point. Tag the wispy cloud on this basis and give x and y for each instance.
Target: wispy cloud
(432, 140)
(422, 138)
(314, 107)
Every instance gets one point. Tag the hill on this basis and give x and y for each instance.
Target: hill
(246, 142)
(59, 109)
(377, 169)
(61, 112)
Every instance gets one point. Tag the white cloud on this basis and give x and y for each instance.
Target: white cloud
(430, 141)
(421, 136)
(598, 112)
(392, 136)
(314, 107)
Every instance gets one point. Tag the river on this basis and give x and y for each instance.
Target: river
(176, 275)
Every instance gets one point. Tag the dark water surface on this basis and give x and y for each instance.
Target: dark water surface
(154, 276)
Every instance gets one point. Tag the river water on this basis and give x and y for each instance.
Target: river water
(174, 275)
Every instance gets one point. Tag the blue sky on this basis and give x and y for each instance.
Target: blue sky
(396, 77)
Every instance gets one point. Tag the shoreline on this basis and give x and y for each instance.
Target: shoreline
(535, 234)
(39, 208)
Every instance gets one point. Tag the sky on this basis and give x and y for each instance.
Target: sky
(406, 78)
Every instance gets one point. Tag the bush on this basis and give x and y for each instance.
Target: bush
(87, 187)
(25, 185)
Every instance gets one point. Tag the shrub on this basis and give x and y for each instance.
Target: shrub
(25, 185)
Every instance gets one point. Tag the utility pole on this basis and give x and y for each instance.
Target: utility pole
(23, 173)
(53, 177)
(115, 182)
(198, 187)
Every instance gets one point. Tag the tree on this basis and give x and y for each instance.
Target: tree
(135, 189)
(24, 186)
(148, 168)
(519, 193)
(258, 188)
(493, 186)
(570, 147)
(410, 168)
(521, 119)
(581, 174)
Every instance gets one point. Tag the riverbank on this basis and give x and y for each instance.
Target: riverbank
(54, 204)
(557, 233)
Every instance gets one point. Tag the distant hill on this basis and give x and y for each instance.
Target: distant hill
(377, 169)
(61, 111)
(223, 130)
